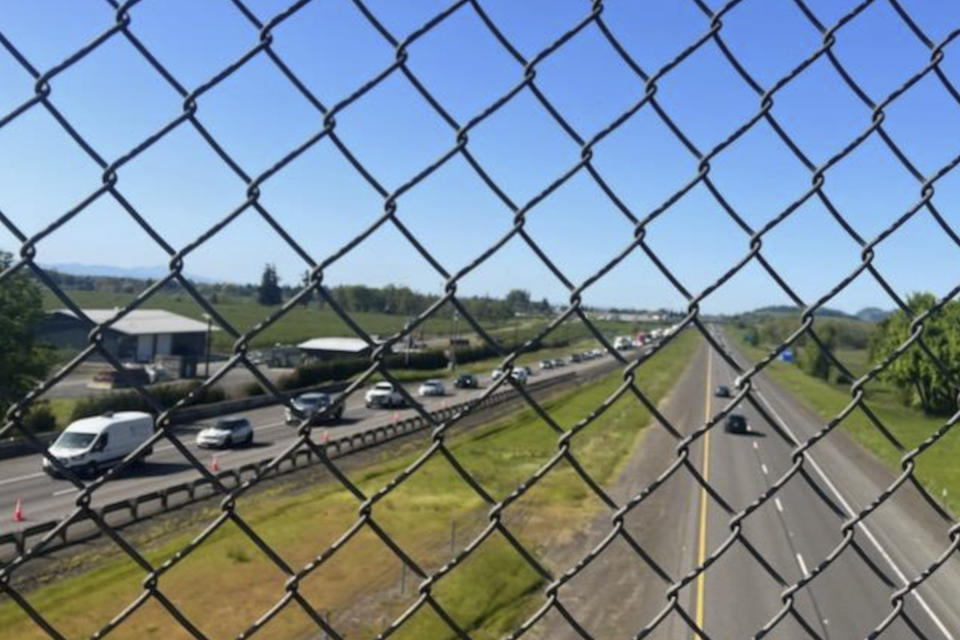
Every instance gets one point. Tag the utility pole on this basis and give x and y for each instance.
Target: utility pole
(206, 370)
(409, 342)
(455, 340)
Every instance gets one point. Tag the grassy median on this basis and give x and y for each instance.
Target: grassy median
(936, 468)
(228, 582)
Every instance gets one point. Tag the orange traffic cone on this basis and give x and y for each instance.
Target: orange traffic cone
(214, 465)
(18, 511)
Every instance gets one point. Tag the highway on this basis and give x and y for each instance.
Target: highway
(680, 525)
(45, 498)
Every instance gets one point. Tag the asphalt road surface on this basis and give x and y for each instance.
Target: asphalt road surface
(45, 498)
(795, 531)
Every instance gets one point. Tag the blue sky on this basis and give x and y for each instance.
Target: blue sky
(115, 100)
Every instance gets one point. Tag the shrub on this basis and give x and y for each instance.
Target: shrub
(251, 389)
(40, 418)
(313, 373)
(419, 360)
(166, 396)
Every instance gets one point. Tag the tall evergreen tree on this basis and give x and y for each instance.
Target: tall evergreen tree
(269, 292)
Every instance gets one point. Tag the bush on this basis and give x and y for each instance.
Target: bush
(313, 373)
(40, 419)
(166, 396)
(419, 360)
(251, 389)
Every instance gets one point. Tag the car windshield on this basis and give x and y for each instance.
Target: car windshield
(312, 399)
(229, 425)
(383, 386)
(73, 440)
(432, 383)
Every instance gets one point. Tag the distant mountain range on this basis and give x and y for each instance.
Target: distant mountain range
(867, 314)
(873, 314)
(108, 271)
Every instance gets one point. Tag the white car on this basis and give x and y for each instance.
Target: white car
(226, 432)
(496, 374)
(431, 388)
(546, 364)
(91, 445)
(311, 405)
(383, 394)
(156, 373)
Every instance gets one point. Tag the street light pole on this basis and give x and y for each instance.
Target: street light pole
(455, 340)
(206, 371)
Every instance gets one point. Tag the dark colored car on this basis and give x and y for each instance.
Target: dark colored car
(466, 381)
(129, 377)
(736, 423)
(312, 405)
(723, 391)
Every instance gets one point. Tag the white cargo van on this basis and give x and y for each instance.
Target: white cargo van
(91, 445)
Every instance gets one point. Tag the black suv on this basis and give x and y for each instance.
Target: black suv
(723, 391)
(466, 381)
(736, 423)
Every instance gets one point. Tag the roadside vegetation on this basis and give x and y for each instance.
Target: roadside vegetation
(23, 360)
(432, 515)
(901, 398)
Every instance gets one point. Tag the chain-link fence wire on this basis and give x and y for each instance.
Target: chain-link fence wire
(111, 188)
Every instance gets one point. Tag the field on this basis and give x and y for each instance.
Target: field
(936, 468)
(243, 313)
(302, 323)
(428, 515)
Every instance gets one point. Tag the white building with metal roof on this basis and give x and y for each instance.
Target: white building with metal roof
(141, 335)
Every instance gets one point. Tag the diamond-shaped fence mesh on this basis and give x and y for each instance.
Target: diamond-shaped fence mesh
(851, 531)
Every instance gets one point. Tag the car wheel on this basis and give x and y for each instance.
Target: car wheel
(228, 443)
(249, 439)
(92, 470)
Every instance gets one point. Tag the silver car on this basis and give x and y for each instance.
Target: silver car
(431, 388)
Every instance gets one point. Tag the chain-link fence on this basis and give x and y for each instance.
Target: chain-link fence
(850, 525)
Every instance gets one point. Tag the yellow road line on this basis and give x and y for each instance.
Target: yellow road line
(704, 496)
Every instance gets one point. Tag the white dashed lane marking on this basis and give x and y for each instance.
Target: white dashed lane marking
(803, 566)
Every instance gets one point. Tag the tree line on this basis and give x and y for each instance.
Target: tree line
(271, 291)
(395, 299)
(917, 379)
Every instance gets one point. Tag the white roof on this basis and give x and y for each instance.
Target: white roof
(145, 321)
(347, 345)
(96, 424)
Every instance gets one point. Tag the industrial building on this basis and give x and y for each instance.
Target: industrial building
(335, 348)
(142, 335)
